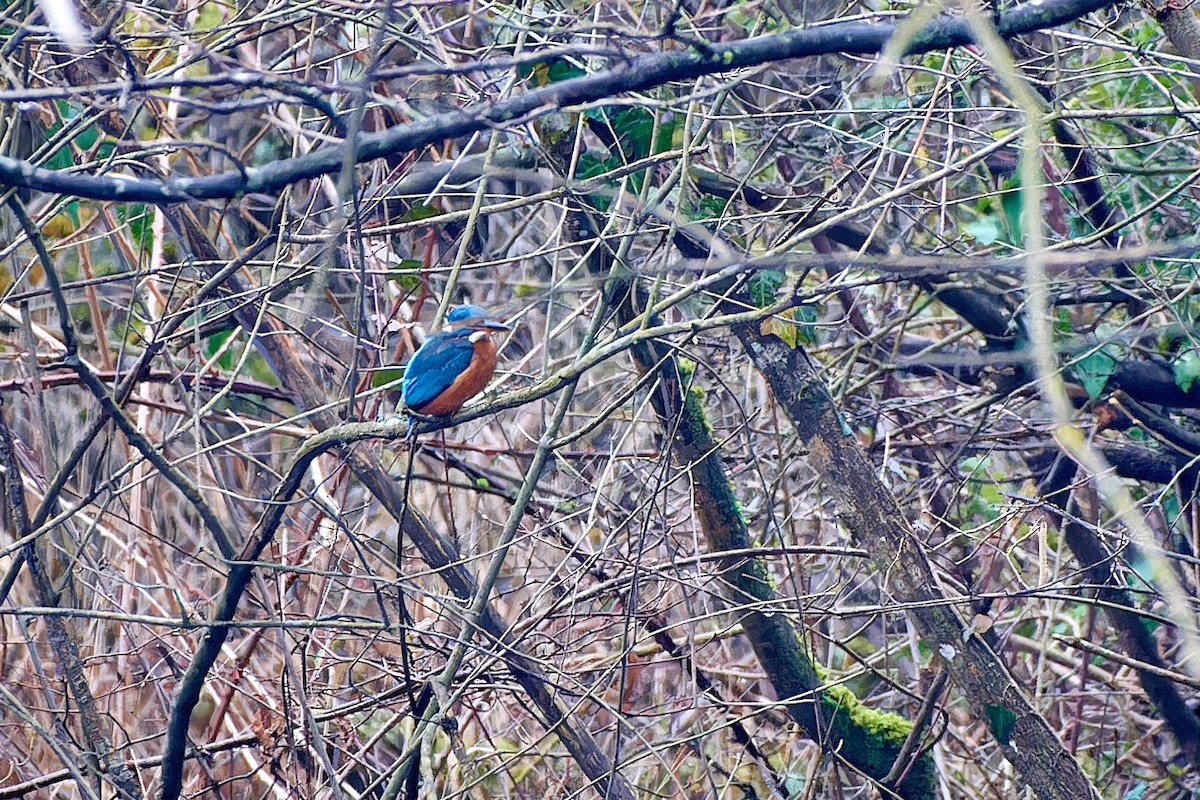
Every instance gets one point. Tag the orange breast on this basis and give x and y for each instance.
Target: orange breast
(469, 382)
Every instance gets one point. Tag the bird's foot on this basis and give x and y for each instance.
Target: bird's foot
(414, 418)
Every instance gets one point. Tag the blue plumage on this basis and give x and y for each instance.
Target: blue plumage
(435, 366)
(453, 365)
(461, 315)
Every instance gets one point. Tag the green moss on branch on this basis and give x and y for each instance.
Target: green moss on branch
(868, 739)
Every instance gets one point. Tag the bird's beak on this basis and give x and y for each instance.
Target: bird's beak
(493, 325)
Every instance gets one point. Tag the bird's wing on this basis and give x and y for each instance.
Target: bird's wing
(434, 367)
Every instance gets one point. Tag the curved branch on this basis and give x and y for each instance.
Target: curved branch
(633, 75)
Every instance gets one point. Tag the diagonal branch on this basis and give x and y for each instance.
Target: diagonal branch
(870, 512)
(437, 551)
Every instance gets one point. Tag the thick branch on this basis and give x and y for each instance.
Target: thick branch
(1136, 640)
(633, 75)
(871, 513)
(871, 741)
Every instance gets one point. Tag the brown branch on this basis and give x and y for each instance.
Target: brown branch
(1118, 604)
(187, 380)
(438, 552)
(870, 512)
(835, 717)
(98, 758)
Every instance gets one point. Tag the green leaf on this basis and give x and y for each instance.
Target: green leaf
(1094, 370)
(806, 327)
(554, 70)
(985, 230)
(783, 328)
(791, 326)
(562, 70)
(1187, 369)
(1137, 792)
(385, 375)
(1001, 721)
(705, 207)
(590, 165)
(1010, 202)
(972, 464)
(419, 211)
(139, 221)
(764, 286)
(638, 131)
(208, 16)
(670, 132)
(634, 127)
(407, 273)
(213, 343)
(87, 135)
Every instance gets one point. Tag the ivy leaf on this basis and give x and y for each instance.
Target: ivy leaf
(1137, 792)
(985, 230)
(806, 323)
(590, 165)
(764, 286)
(139, 221)
(1187, 369)
(1001, 721)
(634, 127)
(212, 345)
(407, 273)
(793, 326)
(385, 375)
(418, 212)
(1094, 369)
(1010, 202)
(783, 328)
(554, 70)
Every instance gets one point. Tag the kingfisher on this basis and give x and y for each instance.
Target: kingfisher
(453, 365)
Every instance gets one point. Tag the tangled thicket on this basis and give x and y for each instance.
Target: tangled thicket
(216, 581)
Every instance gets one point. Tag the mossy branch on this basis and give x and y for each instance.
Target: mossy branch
(870, 511)
(869, 740)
